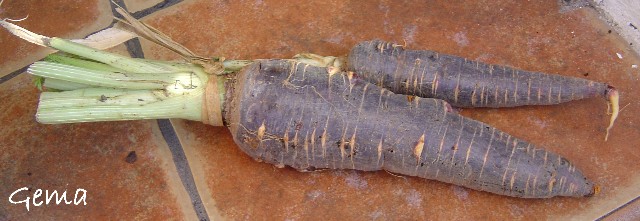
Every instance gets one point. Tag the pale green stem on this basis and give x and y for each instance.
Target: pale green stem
(115, 60)
(235, 65)
(52, 83)
(125, 89)
(112, 79)
(65, 59)
(117, 107)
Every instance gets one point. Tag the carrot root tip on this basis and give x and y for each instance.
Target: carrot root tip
(613, 109)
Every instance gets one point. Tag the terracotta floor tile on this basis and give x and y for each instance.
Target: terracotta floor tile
(629, 212)
(534, 35)
(91, 156)
(65, 18)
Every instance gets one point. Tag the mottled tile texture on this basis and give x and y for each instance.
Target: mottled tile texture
(64, 18)
(531, 35)
(629, 212)
(92, 156)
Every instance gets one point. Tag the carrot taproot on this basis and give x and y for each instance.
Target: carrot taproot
(298, 115)
(463, 82)
(467, 83)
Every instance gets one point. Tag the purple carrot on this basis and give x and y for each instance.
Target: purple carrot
(298, 115)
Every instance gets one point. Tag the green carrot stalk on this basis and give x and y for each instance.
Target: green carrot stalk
(103, 86)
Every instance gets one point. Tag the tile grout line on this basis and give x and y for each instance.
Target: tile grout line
(618, 208)
(13, 74)
(144, 12)
(166, 128)
(161, 5)
(182, 167)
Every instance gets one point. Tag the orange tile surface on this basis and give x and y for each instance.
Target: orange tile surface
(65, 18)
(533, 35)
(90, 156)
(628, 212)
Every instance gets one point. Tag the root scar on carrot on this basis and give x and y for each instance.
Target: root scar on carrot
(261, 131)
(417, 150)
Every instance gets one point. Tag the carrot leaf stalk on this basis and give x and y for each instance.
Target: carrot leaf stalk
(102, 86)
(96, 85)
(614, 108)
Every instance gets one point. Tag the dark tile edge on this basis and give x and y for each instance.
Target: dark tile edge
(13, 74)
(168, 132)
(618, 208)
(182, 166)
